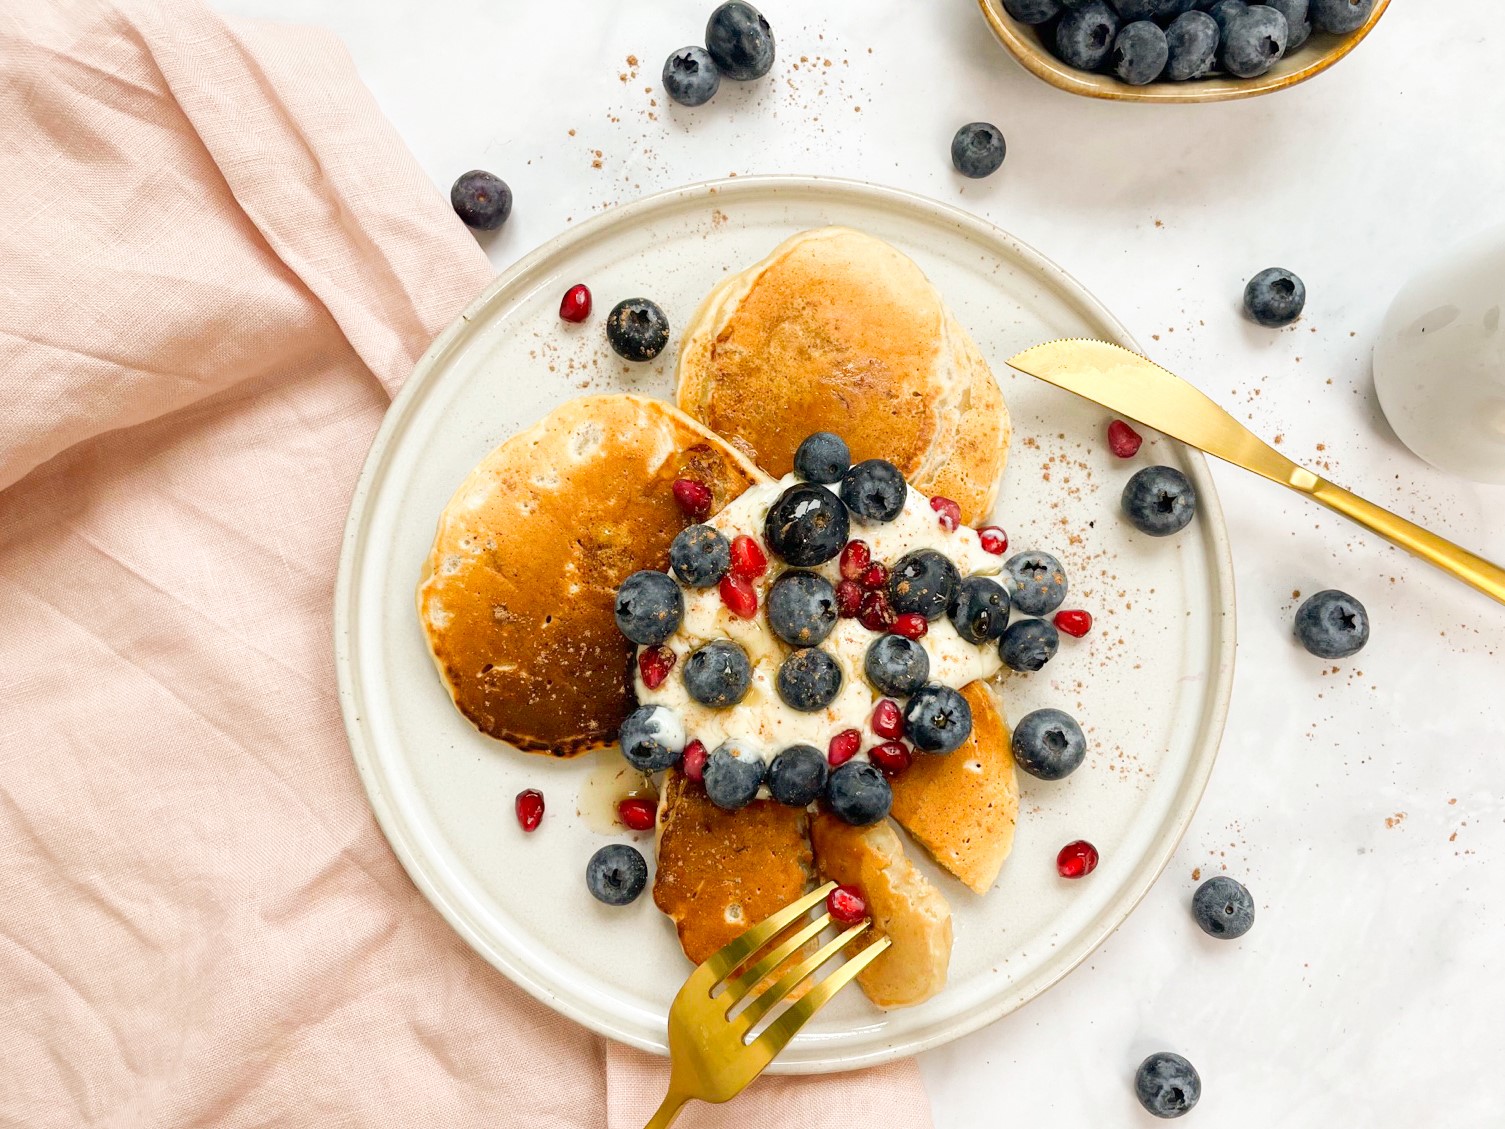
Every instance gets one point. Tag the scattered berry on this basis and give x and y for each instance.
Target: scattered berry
(807, 525)
(874, 612)
(1223, 908)
(1275, 297)
(897, 665)
(1332, 625)
(848, 599)
(888, 721)
(652, 738)
(1159, 501)
(1123, 440)
(1040, 582)
(718, 674)
(733, 774)
(694, 760)
(1075, 622)
(747, 557)
(891, 757)
(1167, 1085)
(923, 581)
(1028, 644)
(654, 665)
(700, 556)
(691, 76)
(855, 559)
(482, 200)
(739, 597)
(846, 905)
(649, 607)
(637, 329)
(616, 874)
(858, 794)
(694, 498)
(1049, 744)
(808, 680)
(823, 457)
(875, 577)
(978, 150)
(801, 608)
(949, 513)
(994, 540)
(1076, 860)
(911, 625)
(979, 610)
(529, 808)
(576, 303)
(874, 490)
(937, 719)
(843, 747)
(637, 814)
(798, 775)
(740, 40)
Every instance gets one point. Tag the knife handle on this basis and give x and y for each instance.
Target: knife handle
(1467, 567)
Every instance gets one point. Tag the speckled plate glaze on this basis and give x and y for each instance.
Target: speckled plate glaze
(1150, 684)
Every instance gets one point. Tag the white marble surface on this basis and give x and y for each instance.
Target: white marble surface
(1364, 807)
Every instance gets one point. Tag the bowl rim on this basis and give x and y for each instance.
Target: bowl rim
(1043, 65)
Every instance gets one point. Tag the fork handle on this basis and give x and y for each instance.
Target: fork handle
(1468, 567)
(673, 1103)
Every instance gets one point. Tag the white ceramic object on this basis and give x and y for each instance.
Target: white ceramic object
(1439, 361)
(1150, 684)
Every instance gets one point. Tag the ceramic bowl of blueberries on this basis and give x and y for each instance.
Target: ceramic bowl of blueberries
(1179, 50)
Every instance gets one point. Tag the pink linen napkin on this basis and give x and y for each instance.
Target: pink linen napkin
(220, 263)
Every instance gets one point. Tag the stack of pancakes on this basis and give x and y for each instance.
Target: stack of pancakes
(835, 331)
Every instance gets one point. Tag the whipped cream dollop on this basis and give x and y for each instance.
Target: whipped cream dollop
(761, 720)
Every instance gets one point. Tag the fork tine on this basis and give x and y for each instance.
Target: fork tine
(786, 1026)
(733, 953)
(791, 979)
(755, 974)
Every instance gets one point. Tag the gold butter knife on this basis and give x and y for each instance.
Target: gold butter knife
(1138, 389)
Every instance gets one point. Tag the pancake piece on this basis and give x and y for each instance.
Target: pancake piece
(838, 331)
(904, 906)
(963, 807)
(721, 872)
(517, 593)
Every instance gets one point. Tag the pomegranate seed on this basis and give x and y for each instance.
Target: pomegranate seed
(1075, 622)
(874, 612)
(874, 577)
(1076, 860)
(694, 762)
(854, 559)
(748, 559)
(693, 497)
(887, 720)
(637, 814)
(843, 747)
(1123, 439)
(891, 757)
(530, 809)
(848, 598)
(846, 905)
(576, 303)
(994, 540)
(950, 513)
(654, 664)
(911, 625)
(738, 595)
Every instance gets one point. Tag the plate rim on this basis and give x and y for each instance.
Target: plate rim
(353, 543)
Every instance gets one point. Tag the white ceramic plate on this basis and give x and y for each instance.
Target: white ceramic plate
(1150, 684)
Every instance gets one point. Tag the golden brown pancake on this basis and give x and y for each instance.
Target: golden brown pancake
(837, 331)
(962, 807)
(904, 906)
(518, 592)
(721, 872)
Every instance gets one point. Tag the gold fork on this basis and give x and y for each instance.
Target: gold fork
(710, 1055)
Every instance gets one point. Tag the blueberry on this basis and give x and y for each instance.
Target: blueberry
(1085, 35)
(979, 609)
(740, 40)
(1159, 500)
(1032, 11)
(718, 674)
(1223, 908)
(922, 581)
(896, 666)
(874, 490)
(1296, 13)
(1130, 11)
(1340, 16)
(691, 77)
(1140, 52)
(822, 457)
(649, 607)
(1223, 13)
(1029, 644)
(1192, 45)
(637, 329)
(1332, 625)
(801, 608)
(700, 556)
(1254, 42)
(978, 149)
(482, 200)
(652, 738)
(1039, 582)
(1167, 1085)
(798, 775)
(807, 525)
(616, 874)
(808, 680)
(1048, 744)
(1168, 10)
(733, 773)
(1275, 297)
(937, 719)
(857, 793)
